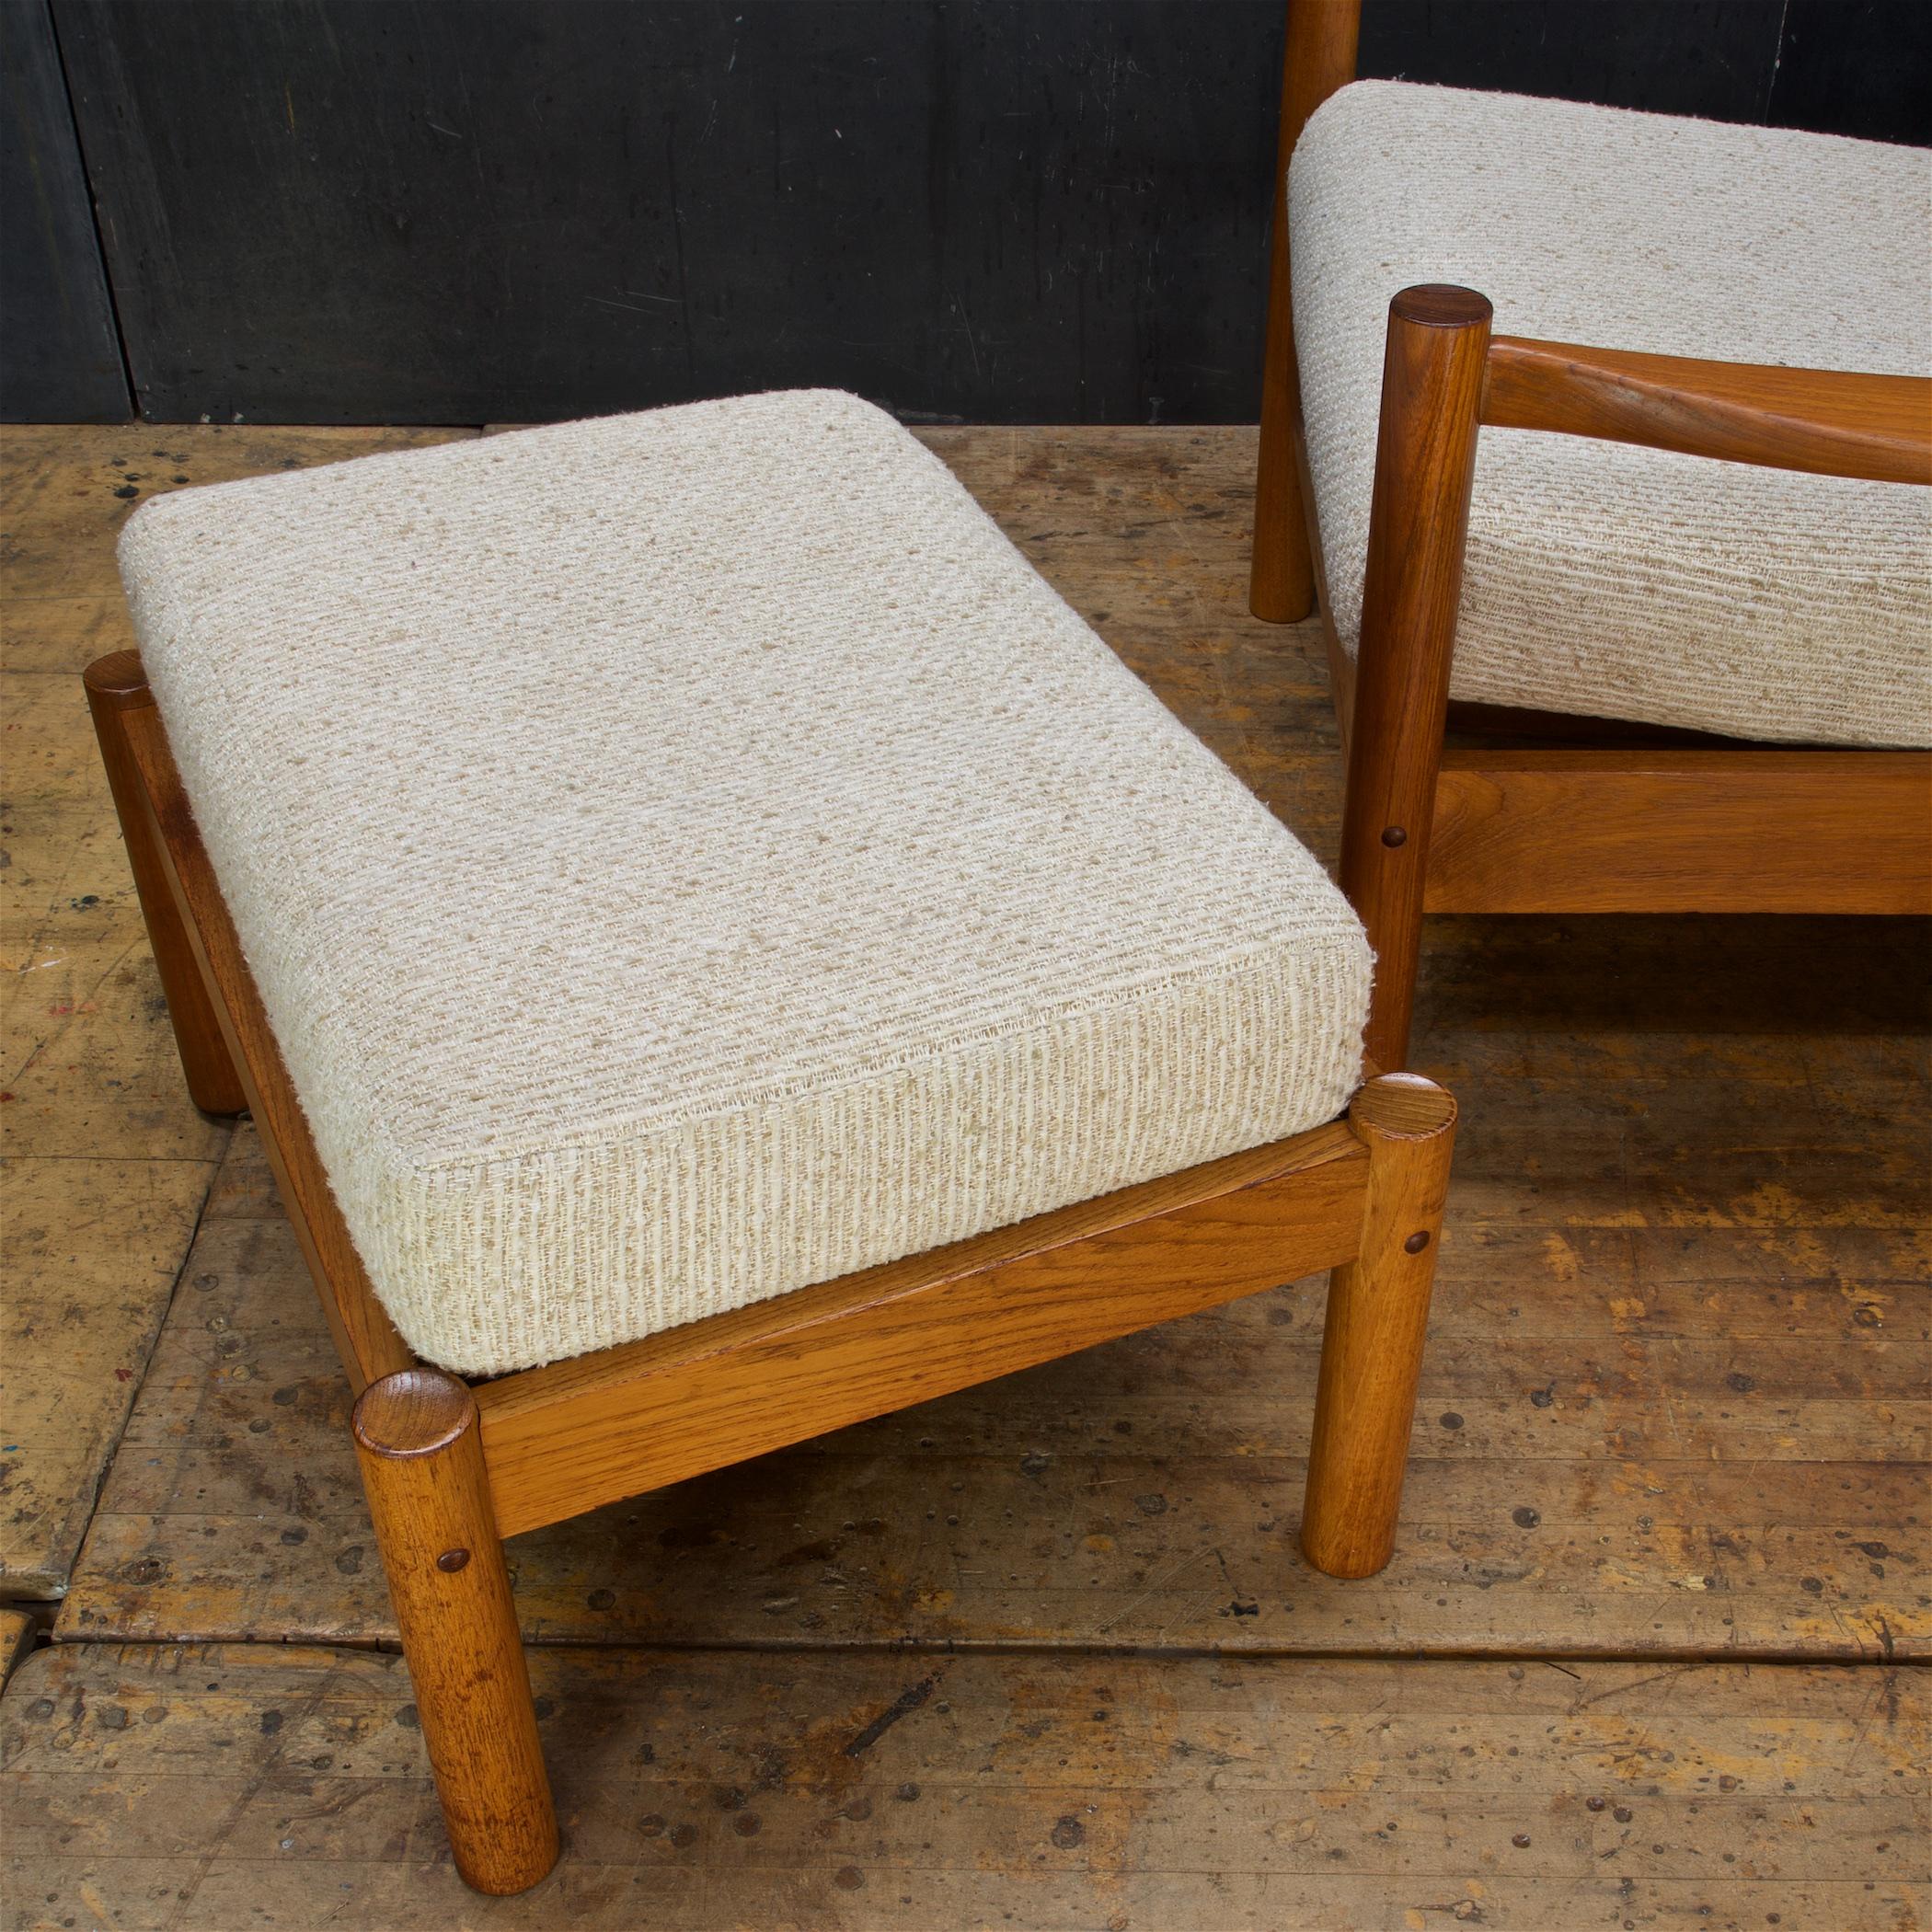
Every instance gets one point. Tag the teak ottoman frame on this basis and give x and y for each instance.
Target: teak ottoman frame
(1563, 814)
(452, 1468)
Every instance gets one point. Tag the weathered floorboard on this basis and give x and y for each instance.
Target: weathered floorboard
(106, 1160)
(217, 1787)
(91, 1248)
(1677, 1398)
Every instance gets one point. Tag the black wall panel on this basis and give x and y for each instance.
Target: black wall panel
(992, 210)
(1713, 58)
(520, 209)
(60, 357)
(1861, 67)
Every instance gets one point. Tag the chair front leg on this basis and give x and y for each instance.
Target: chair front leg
(417, 1439)
(1418, 521)
(1378, 1317)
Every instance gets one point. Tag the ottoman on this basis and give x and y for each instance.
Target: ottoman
(718, 950)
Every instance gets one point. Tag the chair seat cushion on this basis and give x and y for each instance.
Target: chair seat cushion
(1602, 579)
(688, 855)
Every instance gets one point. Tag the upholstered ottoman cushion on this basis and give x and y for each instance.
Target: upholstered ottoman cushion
(1607, 580)
(691, 855)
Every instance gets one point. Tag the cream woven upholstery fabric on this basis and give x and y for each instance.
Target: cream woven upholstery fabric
(691, 855)
(1611, 581)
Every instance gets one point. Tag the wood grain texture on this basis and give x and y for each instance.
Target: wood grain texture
(1144, 530)
(116, 685)
(1864, 71)
(605, 1426)
(855, 158)
(65, 490)
(208, 1788)
(1828, 423)
(1650, 828)
(1670, 831)
(563, 1439)
(1674, 1405)
(1721, 70)
(602, 1427)
(64, 351)
(1317, 58)
(1425, 466)
(92, 1250)
(1688, 1156)
(1377, 1319)
(428, 1496)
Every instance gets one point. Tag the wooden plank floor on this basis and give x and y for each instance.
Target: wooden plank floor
(106, 1163)
(1044, 1654)
(248, 1786)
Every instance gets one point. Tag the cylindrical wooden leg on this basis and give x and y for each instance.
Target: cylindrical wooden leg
(117, 684)
(1419, 518)
(1378, 1314)
(416, 1437)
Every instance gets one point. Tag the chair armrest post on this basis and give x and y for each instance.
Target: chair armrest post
(1425, 462)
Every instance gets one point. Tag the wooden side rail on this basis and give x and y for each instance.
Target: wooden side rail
(1826, 421)
(116, 685)
(1674, 830)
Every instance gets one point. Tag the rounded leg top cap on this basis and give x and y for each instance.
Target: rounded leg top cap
(413, 1412)
(1403, 1107)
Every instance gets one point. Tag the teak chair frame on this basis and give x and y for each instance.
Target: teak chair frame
(453, 1467)
(1565, 814)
